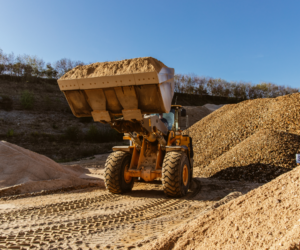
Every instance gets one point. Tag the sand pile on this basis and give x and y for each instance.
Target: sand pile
(226, 128)
(24, 171)
(135, 65)
(261, 157)
(265, 218)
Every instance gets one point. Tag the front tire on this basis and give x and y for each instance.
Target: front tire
(115, 166)
(176, 174)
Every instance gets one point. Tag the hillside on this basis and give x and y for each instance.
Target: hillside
(49, 127)
(44, 123)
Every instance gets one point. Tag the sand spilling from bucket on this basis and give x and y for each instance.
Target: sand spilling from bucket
(26, 171)
(266, 218)
(135, 65)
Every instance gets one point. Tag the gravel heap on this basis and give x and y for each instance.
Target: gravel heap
(265, 218)
(259, 135)
(135, 65)
(261, 157)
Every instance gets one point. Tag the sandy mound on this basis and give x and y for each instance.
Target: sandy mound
(266, 218)
(25, 171)
(261, 157)
(135, 65)
(230, 125)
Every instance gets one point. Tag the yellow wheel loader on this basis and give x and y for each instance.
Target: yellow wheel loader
(137, 104)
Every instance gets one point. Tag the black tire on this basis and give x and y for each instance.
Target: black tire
(114, 172)
(172, 174)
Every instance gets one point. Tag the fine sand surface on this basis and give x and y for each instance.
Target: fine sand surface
(24, 171)
(92, 218)
(265, 218)
(128, 66)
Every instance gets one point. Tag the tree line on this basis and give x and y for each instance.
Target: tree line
(32, 66)
(193, 84)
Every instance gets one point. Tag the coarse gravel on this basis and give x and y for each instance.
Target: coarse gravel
(260, 137)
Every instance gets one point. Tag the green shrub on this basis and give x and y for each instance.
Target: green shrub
(27, 99)
(72, 133)
(10, 133)
(6, 102)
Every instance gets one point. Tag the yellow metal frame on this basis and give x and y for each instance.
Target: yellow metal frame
(139, 165)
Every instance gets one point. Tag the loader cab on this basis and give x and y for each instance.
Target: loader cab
(167, 118)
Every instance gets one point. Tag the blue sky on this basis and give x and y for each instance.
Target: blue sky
(237, 40)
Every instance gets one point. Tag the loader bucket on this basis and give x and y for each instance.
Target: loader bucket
(123, 95)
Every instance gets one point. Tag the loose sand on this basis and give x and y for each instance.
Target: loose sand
(25, 171)
(261, 157)
(266, 218)
(227, 128)
(135, 65)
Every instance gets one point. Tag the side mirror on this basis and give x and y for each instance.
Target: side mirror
(183, 113)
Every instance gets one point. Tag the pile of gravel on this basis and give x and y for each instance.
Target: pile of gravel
(260, 137)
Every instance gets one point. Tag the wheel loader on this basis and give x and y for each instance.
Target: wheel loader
(137, 104)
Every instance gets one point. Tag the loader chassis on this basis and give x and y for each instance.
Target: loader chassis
(147, 161)
(152, 153)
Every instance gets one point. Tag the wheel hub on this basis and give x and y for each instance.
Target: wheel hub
(185, 175)
(127, 176)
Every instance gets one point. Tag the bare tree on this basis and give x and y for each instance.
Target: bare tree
(64, 65)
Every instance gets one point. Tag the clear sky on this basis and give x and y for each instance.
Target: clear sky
(236, 40)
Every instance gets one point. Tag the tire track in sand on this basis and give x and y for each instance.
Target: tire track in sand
(48, 236)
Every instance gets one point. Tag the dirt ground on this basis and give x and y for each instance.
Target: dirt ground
(95, 219)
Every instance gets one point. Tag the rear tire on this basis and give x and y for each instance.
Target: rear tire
(176, 174)
(115, 166)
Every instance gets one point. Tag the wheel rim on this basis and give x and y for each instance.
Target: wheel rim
(127, 177)
(185, 174)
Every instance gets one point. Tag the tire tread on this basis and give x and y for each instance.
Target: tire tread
(113, 167)
(170, 174)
